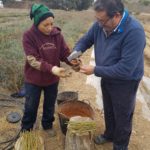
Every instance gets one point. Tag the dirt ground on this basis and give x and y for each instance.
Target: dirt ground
(140, 139)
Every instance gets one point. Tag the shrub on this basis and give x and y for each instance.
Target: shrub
(145, 2)
(69, 4)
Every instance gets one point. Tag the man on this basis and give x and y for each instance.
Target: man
(119, 41)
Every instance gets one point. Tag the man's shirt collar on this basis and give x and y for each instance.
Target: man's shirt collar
(119, 28)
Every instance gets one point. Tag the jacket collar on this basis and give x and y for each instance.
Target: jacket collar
(121, 25)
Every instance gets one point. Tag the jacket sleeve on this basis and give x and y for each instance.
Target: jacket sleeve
(86, 41)
(64, 50)
(32, 55)
(131, 53)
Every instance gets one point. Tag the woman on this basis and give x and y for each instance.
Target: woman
(44, 47)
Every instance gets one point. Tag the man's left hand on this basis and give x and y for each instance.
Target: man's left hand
(88, 70)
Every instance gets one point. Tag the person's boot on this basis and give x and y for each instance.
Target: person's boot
(101, 139)
(21, 93)
(120, 147)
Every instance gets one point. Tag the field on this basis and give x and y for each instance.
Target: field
(73, 24)
(14, 23)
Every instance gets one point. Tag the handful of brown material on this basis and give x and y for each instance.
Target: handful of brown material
(76, 63)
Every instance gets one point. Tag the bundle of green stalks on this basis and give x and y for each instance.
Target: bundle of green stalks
(30, 141)
(81, 127)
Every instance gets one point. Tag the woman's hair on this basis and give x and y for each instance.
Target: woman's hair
(110, 6)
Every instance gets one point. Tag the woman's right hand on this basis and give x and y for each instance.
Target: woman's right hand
(60, 72)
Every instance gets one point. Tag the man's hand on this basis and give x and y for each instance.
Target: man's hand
(60, 72)
(76, 63)
(88, 70)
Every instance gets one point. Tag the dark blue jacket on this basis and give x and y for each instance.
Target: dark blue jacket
(120, 55)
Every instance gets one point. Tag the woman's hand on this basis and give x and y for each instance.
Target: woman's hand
(60, 72)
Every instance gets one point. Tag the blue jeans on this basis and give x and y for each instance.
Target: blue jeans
(119, 103)
(33, 94)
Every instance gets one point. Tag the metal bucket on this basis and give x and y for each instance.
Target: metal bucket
(67, 96)
(69, 109)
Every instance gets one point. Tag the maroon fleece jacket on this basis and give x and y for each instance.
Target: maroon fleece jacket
(49, 50)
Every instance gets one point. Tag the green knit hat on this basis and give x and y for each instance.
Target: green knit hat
(40, 12)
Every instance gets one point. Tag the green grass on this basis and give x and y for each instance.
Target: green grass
(13, 23)
(145, 2)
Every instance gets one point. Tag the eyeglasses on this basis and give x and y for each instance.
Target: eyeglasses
(102, 22)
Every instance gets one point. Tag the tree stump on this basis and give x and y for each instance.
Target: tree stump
(80, 134)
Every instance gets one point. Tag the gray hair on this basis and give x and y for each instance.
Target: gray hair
(110, 6)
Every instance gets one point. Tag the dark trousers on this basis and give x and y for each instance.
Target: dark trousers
(119, 103)
(33, 93)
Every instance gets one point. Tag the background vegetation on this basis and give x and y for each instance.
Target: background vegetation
(13, 22)
(12, 25)
(55, 4)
